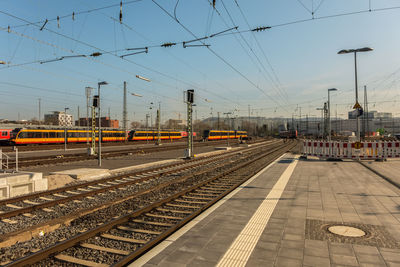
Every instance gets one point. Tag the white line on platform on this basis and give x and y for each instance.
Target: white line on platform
(171, 239)
(239, 252)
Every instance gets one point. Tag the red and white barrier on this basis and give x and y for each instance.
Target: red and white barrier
(347, 150)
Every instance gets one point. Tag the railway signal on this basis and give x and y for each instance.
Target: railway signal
(189, 100)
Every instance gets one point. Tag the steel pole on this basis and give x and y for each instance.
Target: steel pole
(356, 84)
(329, 116)
(99, 103)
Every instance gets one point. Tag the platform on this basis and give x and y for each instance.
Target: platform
(247, 229)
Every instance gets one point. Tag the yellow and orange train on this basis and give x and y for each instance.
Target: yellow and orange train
(22, 136)
(210, 135)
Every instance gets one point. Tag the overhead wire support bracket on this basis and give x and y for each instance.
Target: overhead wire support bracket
(199, 45)
(44, 24)
(195, 40)
(73, 56)
(260, 29)
(168, 44)
(51, 60)
(131, 54)
(138, 48)
(215, 34)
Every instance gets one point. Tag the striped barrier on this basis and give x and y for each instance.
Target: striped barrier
(348, 150)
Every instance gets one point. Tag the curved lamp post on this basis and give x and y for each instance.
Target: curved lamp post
(355, 51)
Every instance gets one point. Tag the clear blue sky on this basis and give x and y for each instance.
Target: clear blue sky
(297, 64)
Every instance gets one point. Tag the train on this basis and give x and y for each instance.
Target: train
(292, 134)
(5, 135)
(144, 135)
(211, 135)
(25, 136)
(33, 136)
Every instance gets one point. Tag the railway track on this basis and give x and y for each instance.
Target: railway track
(28, 203)
(65, 158)
(134, 231)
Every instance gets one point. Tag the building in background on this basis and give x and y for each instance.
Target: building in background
(105, 122)
(371, 115)
(59, 118)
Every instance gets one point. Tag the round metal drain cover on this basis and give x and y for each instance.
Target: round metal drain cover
(346, 231)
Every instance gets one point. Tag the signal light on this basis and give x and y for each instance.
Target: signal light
(96, 101)
(190, 96)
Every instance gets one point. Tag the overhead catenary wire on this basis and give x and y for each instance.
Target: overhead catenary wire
(262, 50)
(93, 54)
(96, 53)
(278, 90)
(217, 55)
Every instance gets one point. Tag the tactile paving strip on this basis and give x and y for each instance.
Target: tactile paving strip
(376, 236)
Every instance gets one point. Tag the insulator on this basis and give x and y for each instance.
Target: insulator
(58, 21)
(73, 15)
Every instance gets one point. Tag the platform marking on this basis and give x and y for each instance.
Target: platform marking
(171, 239)
(239, 252)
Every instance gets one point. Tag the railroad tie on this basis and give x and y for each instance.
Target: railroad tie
(70, 259)
(72, 192)
(205, 195)
(84, 189)
(199, 198)
(46, 198)
(124, 228)
(13, 206)
(153, 223)
(163, 216)
(211, 189)
(47, 210)
(30, 202)
(29, 215)
(182, 206)
(124, 239)
(100, 248)
(189, 201)
(9, 221)
(175, 211)
(93, 187)
(59, 195)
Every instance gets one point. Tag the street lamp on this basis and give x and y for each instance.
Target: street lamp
(346, 51)
(329, 112)
(98, 93)
(65, 129)
(322, 119)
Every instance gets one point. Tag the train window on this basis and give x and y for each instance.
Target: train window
(4, 134)
(37, 135)
(52, 134)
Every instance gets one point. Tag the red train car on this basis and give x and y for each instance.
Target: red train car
(5, 135)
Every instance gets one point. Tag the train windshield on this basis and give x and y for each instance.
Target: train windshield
(206, 133)
(14, 133)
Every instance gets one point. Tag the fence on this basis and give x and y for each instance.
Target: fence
(348, 150)
(6, 161)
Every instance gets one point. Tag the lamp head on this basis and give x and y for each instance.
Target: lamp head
(103, 83)
(344, 51)
(332, 89)
(364, 49)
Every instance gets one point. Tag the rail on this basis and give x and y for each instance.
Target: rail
(176, 210)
